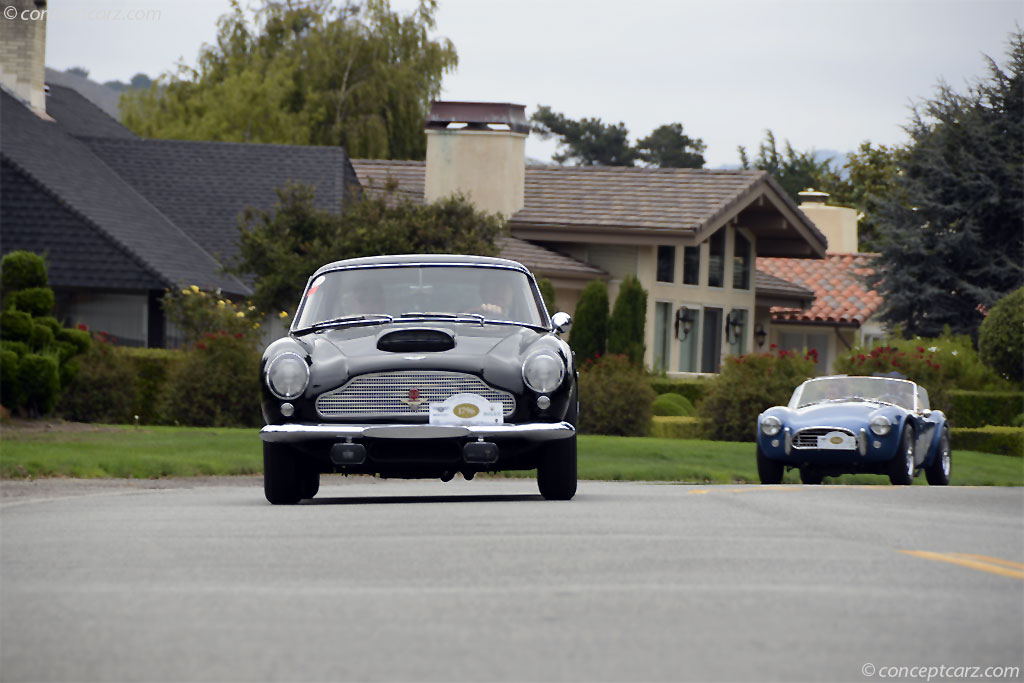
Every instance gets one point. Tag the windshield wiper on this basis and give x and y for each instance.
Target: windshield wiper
(368, 318)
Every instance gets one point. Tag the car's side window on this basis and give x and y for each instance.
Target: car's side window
(922, 398)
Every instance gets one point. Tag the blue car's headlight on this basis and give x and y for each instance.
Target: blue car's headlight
(771, 425)
(287, 376)
(880, 425)
(543, 371)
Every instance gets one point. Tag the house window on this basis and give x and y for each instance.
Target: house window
(662, 335)
(800, 343)
(688, 344)
(666, 264)
(711, 348)
(741, 262)
(737, 323)
(716, 260)
(691, 266)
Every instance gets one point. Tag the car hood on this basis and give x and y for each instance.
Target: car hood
(849, 414)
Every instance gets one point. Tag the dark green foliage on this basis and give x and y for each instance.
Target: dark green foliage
(36, 301)
(678, 428)
(22, 270)
(746, 387)
(629, 317)
(215, 385)
(284, 247)
(41, 336)
(16, 347)
(547, 292)
(668, 147)
(79, 338)
(589, 332)
(352, 75)
(953, 237)
(672, 405)
(16, 325)
(795, 171)
(150, 369)
(615, 398)
(50, 322)
(1001, 337)
(39, 377)
(999, 440)
(693, 390)
(871, 174)
(982, 408)
(103, 389)
(11, 394)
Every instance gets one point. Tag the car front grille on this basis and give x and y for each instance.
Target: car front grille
(390, 394)
(808, 438)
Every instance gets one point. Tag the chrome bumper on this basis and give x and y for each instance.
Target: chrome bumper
(539, 431)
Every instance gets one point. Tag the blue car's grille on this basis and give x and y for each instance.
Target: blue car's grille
(403, 394)
(808, 438)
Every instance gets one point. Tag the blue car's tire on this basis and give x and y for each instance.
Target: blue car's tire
(901, 467)
(283, 481)
(811, 477)
(769, 471)
(938, 472)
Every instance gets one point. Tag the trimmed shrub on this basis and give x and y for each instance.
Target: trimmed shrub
(672, 405)
(79, 338)
(22, 270)
(19, 348)
(589, 331)
(547, 292)
(693, 390)
(615, 398)
(102, 390)
(981, 408)
(36, 301)
(10, 388)
(748, 385)
(215, 385)
(629, 317)
(16, 325)
(39, 377)
(998, 440)
(1001, 337)
(678, 427)
(41, 337)
(151, 368)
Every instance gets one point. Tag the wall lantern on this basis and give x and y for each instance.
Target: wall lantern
(684, 322)
(734, 326)
(760, 335)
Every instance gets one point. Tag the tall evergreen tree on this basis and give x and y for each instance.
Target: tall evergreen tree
(587, 142)
(629, 318)
(668, 147)
(589, 332)
(795, 171)
(954, 234)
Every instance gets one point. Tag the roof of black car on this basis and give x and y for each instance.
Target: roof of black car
(423, 259)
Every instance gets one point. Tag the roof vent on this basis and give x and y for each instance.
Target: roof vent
(478, 116)
(812, 196)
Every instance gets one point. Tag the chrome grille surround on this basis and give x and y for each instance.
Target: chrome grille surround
(808, 438)
(386, 394)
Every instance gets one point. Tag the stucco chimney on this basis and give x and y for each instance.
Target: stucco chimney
(478, 149)
(23, 51)
(838, 223)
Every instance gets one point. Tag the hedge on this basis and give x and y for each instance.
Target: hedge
(151, 368)
(982, 408)
(691, 389)
(677, 428)
(998, 440)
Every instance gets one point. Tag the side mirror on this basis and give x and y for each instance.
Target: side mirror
(561, 321)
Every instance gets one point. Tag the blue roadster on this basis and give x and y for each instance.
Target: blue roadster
(838, 425)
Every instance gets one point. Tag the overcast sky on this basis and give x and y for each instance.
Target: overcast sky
(826, 74)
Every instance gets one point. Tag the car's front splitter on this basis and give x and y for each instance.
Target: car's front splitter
(293, 433)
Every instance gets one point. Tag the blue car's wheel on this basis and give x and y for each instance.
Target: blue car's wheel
(811, 477)
(938, 472)
(901, 467)
(769, 471)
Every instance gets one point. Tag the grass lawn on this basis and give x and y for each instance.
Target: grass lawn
(151, 452)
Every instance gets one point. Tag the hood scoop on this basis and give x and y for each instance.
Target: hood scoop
(416, 339)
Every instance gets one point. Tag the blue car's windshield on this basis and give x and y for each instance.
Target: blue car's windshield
(441, 292)
(882, 389)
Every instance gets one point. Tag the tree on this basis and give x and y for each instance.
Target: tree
(795, 171)
(283, 247)
(629, 317)
(589, 332)
(871, 175)
(358, 76)
(1001, 337)
(668, 147)
(954, 242)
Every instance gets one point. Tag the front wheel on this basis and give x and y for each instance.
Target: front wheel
(283, 480)
(769, 471)
(811, 477)
(938, 472)
(556, 471)
(901, 467)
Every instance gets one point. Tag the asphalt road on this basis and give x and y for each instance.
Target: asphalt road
(483, 580)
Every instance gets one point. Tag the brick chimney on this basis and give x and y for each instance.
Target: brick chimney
(478, 149)
(838, 223)
(23, 51)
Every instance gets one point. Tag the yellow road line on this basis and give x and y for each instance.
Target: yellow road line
(748, 489)
(992, 565)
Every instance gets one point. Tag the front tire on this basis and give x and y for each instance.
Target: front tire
(556, 471)
(769, 471)
(901, 467)
(283, 481)
(811, 477)
(939, 471)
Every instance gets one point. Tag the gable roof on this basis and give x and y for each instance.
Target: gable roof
(637, 204)
(841, 297)
(68, 170)
(546, 263)
(78, 116)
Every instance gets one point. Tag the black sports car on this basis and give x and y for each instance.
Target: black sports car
(419, 366)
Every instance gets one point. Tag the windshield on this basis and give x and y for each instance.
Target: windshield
(471, 291)
(883, 389)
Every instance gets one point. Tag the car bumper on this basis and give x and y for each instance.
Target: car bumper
(869, 449)
(294, 433)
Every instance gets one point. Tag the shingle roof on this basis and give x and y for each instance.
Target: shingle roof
(78, 116)
(770, 285)
(840, 295)
(544, 262)
(68, 169)
(204, 186)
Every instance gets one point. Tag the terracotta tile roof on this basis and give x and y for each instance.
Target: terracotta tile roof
(841, 297)
(546, 263)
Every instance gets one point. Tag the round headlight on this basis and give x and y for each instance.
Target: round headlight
(287, 376)
(880, 425)
(543, 371)
(771, 425)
